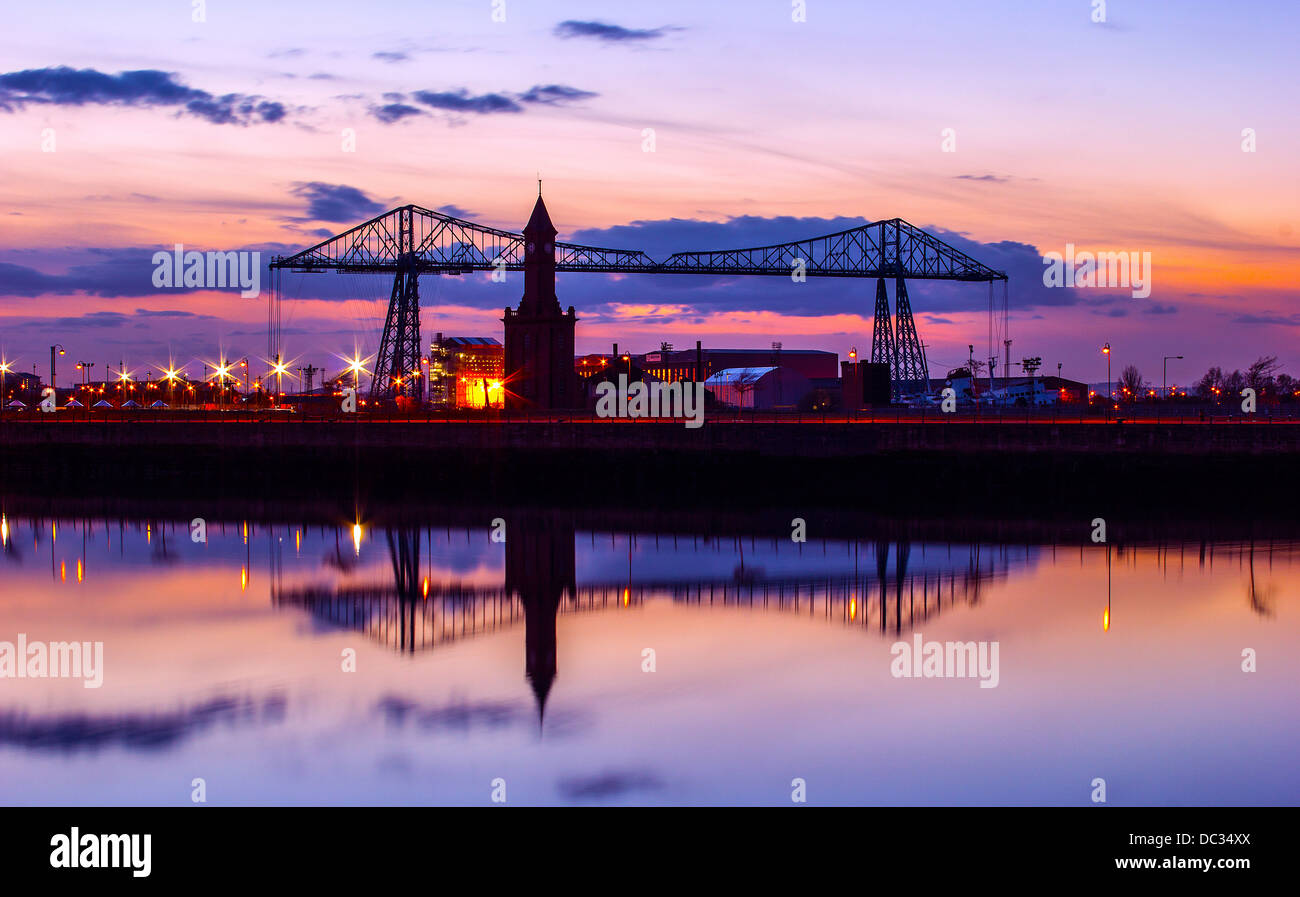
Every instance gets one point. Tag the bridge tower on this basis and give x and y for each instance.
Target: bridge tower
(911, 373)
(539, 336)
(882, 336)
(399, 348)
(899, 346)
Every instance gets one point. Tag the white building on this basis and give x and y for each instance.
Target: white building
(761, 388)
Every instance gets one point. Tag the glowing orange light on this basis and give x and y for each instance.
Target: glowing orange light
(81, 573)
(1105, 620)
(627, 596)
(243, 578)
(63, 572)
(356, 538)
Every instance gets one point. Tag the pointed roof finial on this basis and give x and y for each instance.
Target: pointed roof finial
(539, 186)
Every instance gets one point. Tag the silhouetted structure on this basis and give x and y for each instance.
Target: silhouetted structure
(409, 241)
(539, 336)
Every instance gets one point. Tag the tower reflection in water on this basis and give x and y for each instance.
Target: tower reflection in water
(541, 581)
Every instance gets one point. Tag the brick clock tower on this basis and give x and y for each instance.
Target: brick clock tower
(539, 336)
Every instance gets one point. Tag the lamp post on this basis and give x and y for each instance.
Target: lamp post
(171, 376)
(1105, 350)
(4, 369)
(1164, 374)
(123, 378)
(52, 381)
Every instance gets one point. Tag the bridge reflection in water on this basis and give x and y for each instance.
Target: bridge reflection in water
(414, 614)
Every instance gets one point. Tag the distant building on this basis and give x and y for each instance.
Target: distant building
(865, 385)
(671, 366)
(761, 388)
(466, 372)
(21, 386)
(1015, 391)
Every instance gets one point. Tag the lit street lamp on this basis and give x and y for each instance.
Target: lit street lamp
(171, 375)
(1164, 375)
(1105, 350)
(52, 382)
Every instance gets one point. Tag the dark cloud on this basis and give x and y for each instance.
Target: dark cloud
(1155, 308)
(552, 94)
(991, 178)
(110, 273)
(166, 313)
(603, 31)
(145, 88)
(336, 202)
(455, 212)
(463, 101)
(391, 112)
(106, 272)
(390, 56)
(90, 319)
(1292, 320)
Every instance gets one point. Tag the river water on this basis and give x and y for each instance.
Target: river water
(543, 663)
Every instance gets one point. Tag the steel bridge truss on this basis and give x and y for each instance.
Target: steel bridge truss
(410, 241)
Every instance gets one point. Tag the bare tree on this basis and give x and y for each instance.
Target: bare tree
(1211, 384)
(1130, 383)
(1259, 376)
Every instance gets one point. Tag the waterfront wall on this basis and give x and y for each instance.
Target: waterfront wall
(932, 464)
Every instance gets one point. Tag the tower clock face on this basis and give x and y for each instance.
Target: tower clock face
(532, 246)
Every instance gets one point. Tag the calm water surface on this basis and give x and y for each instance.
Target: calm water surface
(527, 661)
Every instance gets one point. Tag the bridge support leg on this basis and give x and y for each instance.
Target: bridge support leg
(399, 349)
(882, 335)
(912, 375)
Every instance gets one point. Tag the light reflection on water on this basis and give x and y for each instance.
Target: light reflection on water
(526, 661)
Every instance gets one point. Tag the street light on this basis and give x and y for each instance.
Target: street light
(5, 368)
(171, 375)
(52, 384)
(221, 372)
(123, 377)
(1164, 375)
(1105, 350)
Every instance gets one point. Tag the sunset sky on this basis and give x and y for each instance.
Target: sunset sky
(128, 128)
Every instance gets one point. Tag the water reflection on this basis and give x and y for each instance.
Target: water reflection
(224, 654)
